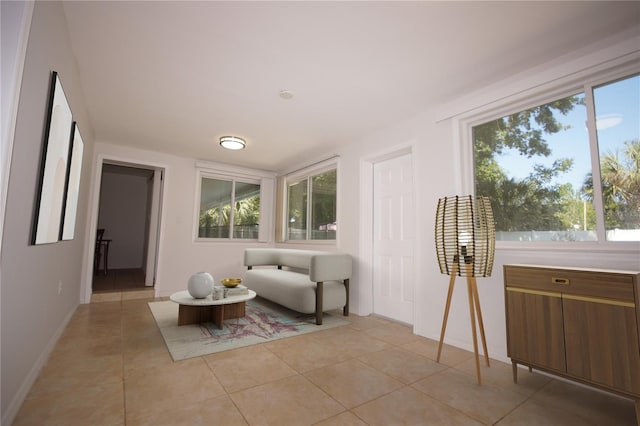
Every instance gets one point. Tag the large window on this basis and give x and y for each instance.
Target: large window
(228, 209)
(566, 170)
(311, 206)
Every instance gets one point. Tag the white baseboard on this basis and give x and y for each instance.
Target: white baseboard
(12, 410)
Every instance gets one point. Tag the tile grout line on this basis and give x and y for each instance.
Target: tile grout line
(446, 404)
(227, 393)
(525, 400)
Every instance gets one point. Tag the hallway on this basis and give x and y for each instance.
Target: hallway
(120, 284)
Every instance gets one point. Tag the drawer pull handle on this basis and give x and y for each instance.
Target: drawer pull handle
(563, 281)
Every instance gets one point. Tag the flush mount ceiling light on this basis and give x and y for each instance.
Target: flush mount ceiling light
(232, 142)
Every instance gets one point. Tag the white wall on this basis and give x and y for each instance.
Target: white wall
(34, 312)
(15, 24)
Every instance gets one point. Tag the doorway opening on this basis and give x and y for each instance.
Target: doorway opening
(128, 223)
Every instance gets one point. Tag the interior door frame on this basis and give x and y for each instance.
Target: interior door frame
(154, 228)
(365, 269)
(92, 223)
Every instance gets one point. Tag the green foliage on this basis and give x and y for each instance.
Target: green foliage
(216, 216)
(575, 211)
(297, 208)
(324, 198)
(215, 222)
(620, 187)
(247, 211)
(533, 203)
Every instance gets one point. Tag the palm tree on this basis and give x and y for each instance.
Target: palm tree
(620, 187)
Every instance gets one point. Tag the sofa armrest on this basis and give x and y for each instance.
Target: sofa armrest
(330, 266)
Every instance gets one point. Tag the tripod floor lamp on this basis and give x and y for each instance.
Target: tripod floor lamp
(465, 245)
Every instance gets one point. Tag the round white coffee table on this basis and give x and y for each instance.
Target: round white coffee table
(196, 311)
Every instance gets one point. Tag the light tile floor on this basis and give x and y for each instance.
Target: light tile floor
(111, 367)
(120, 284)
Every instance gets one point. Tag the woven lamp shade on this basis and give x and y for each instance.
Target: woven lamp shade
(465, 236)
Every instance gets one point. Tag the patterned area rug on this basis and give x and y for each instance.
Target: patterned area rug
(264, 321)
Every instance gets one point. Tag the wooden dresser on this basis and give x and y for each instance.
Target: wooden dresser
(581, 324)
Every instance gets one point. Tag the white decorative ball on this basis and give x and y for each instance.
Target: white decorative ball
(200, 285)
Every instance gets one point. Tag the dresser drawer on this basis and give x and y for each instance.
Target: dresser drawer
(603, 284)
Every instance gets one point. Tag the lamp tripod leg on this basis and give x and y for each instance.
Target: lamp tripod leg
(476, 299)
(454, 271)
(472, 315)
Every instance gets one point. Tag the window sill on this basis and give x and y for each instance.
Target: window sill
(586, 246)
(224, 240)
(309, 242)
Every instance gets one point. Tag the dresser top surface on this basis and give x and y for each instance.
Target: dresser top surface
(576, 268)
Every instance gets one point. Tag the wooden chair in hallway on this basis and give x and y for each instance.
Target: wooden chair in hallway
(101, 251)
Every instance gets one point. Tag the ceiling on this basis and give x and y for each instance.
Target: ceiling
(175, 76)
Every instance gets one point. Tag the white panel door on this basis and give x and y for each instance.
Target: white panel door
(393, 238)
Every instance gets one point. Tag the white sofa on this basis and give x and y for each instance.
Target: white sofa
(302, 280)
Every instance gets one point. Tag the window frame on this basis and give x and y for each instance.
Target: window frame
(265, 180)
(297, 176)
(530, 98)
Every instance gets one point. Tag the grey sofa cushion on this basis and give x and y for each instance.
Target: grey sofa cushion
(294, 290)
(320, 265)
